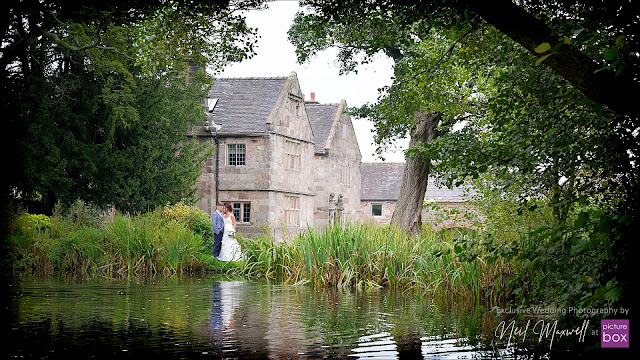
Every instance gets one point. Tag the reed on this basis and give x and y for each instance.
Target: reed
(365, 255)
(122, 246)
(348, 256)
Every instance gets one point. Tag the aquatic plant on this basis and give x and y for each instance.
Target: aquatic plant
(365, 255)
(121, 246)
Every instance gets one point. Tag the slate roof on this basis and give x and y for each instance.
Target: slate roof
(244, 104)
(321, 117)
(382, 181)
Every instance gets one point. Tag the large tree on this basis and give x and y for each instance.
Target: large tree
(423, 98)
(577, 39)
(554, 84)
(95, 97)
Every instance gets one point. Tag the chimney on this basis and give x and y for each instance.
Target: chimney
(191, 69)
(312, 100)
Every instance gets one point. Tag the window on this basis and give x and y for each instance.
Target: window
(246, 212)
(236, 154)
(242, 211)
(376, 209)
(345, 174)
(292, 210)
(236, 211)
(292, 151)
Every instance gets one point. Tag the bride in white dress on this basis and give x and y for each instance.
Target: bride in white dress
(230, 250)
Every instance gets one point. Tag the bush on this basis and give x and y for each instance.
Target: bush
(192, 217)
(81, 239)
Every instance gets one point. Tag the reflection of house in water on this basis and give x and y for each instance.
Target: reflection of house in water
(264, 325)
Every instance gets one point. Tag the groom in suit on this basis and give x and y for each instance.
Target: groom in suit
(217, 222)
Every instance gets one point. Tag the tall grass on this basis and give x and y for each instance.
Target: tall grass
(348, 256)
(119, 246)
(365, 255)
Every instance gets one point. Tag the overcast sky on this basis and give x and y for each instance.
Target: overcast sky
(275, 56)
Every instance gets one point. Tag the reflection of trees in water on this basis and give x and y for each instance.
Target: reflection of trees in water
(282, 322)
(388, 321)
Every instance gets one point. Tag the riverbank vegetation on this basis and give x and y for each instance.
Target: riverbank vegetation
(503, 261)
(366, 255)
(177, 239)
(83, 240)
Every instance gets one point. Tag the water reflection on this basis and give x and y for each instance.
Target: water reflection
(231, 318)
(275, 321)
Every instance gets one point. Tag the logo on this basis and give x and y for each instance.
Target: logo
(615, 333)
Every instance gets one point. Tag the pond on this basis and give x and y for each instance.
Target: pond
(218, 317)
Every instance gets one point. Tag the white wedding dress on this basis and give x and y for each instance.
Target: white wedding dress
(230, 249)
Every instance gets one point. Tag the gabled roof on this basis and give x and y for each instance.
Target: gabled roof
(382, 181)
(322, 118)
(244, 104)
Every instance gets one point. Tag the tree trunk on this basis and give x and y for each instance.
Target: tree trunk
(408, 212)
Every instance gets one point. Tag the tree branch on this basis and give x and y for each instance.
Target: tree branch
(618, 93)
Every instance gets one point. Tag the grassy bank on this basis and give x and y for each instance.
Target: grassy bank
(177, 239)
(364, 255)
(83, 241)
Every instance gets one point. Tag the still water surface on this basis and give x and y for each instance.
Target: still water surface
(215, 317)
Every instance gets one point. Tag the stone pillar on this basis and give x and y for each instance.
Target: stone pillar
(332, 208)
(339, 209)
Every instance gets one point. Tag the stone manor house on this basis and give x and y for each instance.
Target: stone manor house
(281, 159)
(286, 164)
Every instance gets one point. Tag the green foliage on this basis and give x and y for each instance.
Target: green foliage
(545, 156)
(192, 217)
(97, 103)
(35, 222)
(363, 256)
(215, 36)
(567, 264)
(559, 170)
(116, 245)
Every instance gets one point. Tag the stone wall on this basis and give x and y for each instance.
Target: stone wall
(287, 177)
(446, 215)
(285, 220)
(291, 163)
(254, 175)
(338, 171)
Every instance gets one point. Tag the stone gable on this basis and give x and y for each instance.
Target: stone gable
(267, 165)
(337, 160)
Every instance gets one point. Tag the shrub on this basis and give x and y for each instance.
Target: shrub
(143, 244)
(192, 217)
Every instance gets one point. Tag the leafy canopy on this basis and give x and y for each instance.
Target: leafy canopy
(97, 97)
(524, 93)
